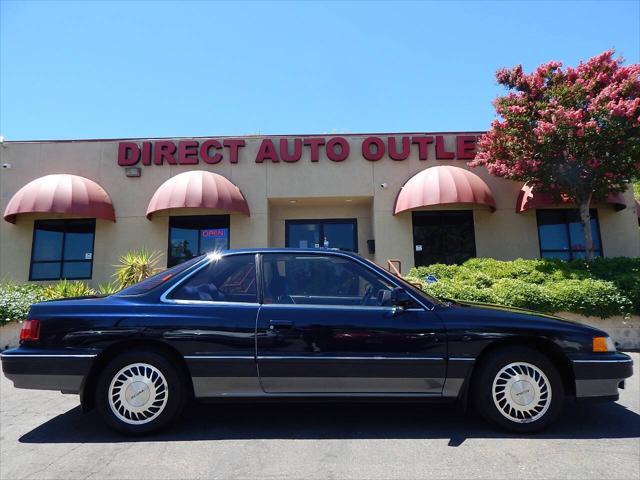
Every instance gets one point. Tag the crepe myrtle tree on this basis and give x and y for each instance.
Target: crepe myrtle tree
(570, 132)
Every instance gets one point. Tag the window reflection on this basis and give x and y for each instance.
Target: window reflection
(62, 249)
(561, 234)
(191, 236)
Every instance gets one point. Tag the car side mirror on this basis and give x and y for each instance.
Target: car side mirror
(400, 299)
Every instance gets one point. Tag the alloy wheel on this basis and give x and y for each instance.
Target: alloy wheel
(138, 393)
(521, 392)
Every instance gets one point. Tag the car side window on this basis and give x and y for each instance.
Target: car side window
(321, 280)
(227, 279)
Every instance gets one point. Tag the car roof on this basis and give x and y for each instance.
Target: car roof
(306, 251)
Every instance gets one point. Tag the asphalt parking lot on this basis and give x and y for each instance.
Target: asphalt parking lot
(44, 435)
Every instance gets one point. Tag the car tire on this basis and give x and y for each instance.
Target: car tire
(518, 389)
(139, 392)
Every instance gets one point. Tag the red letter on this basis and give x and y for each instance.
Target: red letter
(314, 143)
(331, 151)
(422, 142)
(466, 146)
(188, 152)
(284, 150)
(267, 152)
(233, 146)
(128, 154)
(441, 153)
(146, 153)
(204, 152)
(406, 148)
(366, 149)
(164, 150)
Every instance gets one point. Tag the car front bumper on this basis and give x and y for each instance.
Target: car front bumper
(38, 369)
(599, 376)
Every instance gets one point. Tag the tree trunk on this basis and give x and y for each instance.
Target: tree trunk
(585, 221)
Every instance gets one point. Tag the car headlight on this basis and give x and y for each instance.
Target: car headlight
(603, 344)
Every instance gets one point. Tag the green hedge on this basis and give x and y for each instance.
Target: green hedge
(603, 287)
(16, 298)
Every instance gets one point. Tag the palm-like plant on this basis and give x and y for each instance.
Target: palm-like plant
(135, 266)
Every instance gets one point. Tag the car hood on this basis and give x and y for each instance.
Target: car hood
(501, 312)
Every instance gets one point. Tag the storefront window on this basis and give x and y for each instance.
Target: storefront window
(191, 236)
(62, 249)
(443, 237)
(561, 235)
(338, 234)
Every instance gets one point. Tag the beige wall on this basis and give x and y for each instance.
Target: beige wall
(320, 189)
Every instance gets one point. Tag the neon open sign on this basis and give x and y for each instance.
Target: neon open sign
(214, 232)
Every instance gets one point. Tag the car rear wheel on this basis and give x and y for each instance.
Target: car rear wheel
(139, 392)
(518, 389)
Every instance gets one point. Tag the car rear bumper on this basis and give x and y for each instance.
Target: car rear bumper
(601, 376)
(63, 370)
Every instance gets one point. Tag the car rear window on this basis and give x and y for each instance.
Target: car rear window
(158, 279)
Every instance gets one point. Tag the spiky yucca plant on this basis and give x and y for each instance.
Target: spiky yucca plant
(108, 288)
(135, 266)
(67, 289)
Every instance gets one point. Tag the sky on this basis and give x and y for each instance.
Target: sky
(74, 70)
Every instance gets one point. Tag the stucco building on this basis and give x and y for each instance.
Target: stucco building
(71, 208)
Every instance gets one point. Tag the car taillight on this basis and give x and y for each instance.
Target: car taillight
(30, 331)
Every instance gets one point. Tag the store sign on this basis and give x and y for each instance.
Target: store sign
(290, 150)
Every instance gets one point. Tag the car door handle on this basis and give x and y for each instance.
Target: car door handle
(273, 324)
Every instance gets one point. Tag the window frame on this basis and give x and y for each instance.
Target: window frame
(423, 301)
(166, 296)
(203, 218)
(62, 261)
(570, 251)
(321, 224)
(367, 270)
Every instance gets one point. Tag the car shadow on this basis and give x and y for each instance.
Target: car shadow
(231, 421)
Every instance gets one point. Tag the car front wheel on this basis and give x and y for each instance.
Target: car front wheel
(519, 389)
(139, 392)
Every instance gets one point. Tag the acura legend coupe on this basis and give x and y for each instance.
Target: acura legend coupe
(291, 323)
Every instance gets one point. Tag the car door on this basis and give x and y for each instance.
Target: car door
(211, 319)
(326, 326)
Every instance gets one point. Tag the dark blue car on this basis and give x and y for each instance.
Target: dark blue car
(305, 323)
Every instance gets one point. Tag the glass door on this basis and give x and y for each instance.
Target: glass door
(336, 234)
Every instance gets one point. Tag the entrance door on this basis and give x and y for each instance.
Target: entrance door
(326, 326)
(443, 237)
(339, 233)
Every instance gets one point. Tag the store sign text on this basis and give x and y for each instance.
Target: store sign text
(289, 150)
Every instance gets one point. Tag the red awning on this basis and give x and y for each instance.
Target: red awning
(198, 189)
(528, 199)
(61, 193)
(443, 185)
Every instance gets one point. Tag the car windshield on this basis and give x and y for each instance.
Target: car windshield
(158, 279)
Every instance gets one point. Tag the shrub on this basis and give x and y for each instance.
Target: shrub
(589, 297)
(108, 288)
(15, 300)
(67, 289)
(135, 266)
(602, 287)
(519, 293)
